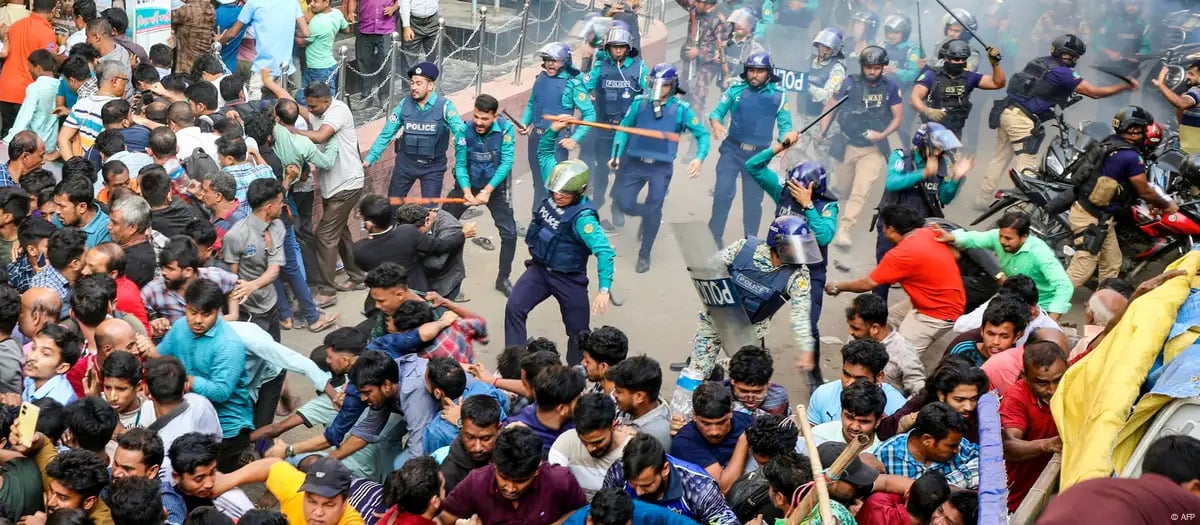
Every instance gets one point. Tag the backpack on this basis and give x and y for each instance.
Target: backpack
(199, 165)
(1084, 170)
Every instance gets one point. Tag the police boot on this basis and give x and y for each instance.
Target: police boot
(504, 286)
(643, 265)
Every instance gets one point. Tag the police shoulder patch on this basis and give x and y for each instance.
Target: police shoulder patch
(461, 141)
(394, 118)
(1075, 74)
(582, 96)
(827, 213)
(899, 164)
(588, 228)
(785, 105)
(695, 121)
(508, 138)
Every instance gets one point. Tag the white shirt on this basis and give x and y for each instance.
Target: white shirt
(974, 320)
(417, 8)
(589, 471)
(347, 172)
(78, 37)
(200, 416)
(191, 138)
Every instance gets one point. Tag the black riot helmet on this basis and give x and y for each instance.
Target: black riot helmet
(1131, 116)
(873, 56)
(956, 49)
(1068, 44)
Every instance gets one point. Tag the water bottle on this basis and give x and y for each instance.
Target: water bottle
(681, 400)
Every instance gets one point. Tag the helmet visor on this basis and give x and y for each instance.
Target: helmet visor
(944, 140)
(660, 84)
(798, 249)
(568, 177)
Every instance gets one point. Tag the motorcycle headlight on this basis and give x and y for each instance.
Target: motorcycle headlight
(1176, 76)
(1053, 165)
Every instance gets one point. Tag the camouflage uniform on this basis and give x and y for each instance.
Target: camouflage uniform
(712, 32)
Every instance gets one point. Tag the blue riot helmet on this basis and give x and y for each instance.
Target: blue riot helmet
(663, 75)
(811, 172)
(830, 37)
(793, 241)
(759, 60)
(934, 135)
(558, 52)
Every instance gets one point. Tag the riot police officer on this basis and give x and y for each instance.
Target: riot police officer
(924, 178)
(742, 42)
(556, 91)
(1124, 35)
(953, 30)
(871, 113)
(428, 121)
(826, 74)
(1044, 84)
(943, 94)
(864, 28)
(563, 233)
(650, 161)
(482, 173)
(805, 193)
(1114, 174)
(617, 76)
(756, 106)
(904, 55)
(767, 275)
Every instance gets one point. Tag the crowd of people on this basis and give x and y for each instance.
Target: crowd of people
(157, 236)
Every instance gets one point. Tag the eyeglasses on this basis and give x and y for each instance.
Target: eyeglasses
(121, 78)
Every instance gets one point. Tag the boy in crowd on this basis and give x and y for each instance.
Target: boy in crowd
(75, 480)
(602, 349)
(555, 390)
(594, 445)
(122, 375)
(1004, 322)
(55, 350)
(194, 463)
(448, 383)
(862, 408)
(750, 372)
(320, 65)
(861, 359)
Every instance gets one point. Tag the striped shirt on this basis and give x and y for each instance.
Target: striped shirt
(85, 117)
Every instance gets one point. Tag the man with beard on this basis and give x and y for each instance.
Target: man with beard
(428, 121)
(867, 318)
(472, 449)
(1029, 432)
(1004, 321)
(594, 445)
(393, 386)
(75, 479)
(652, 476)
(1187, 104)
(714, 438)
(76, 203)
(1020, 254)
(517, 487)
(179, 262)
(934, 443)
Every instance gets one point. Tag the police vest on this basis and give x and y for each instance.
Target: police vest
(426, 136)
(754, 112)
(869, 110)
(898, 54)
(1096, 192)
(1030, 90)
(951, 94)
(661, 150)
(818, 76)
(553, 241)
(483, 152)
(1126, 35)
(924, 197)
(737, 52)
(547, 98)
(616, 88)
(762, 293)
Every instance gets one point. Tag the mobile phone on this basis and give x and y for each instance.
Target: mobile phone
(27, 423)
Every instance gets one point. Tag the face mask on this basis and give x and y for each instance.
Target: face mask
(953, 68)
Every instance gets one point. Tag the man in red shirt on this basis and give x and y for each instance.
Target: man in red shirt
(1029, 434)
(915, 507)
(926, 269)
(24, 37)
(418, 488)
(108, 258)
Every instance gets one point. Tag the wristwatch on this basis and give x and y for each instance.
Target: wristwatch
(809, 207)
(604, 290)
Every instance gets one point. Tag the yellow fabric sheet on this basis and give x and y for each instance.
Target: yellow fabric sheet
(1096, 395)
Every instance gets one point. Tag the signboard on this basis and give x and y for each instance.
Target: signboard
(792, 80)
(151, 22)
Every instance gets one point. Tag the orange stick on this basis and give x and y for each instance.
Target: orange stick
(396, 201)
(641, 132)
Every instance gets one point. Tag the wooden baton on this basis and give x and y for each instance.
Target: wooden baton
(397, 201)
(641, 132)
(819, 478)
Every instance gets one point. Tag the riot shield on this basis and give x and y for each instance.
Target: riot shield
(714, 286)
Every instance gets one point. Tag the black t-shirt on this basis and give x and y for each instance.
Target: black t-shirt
(140, 263)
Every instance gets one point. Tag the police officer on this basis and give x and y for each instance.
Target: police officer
(1044, 84)
(617, 76)
(556, 91)
(563, 233)
(864, 30)
(702, 48)
(767, 275)
(904, 55)
(741, 44)
(1115, 175)
(756, 105)
(871, 113)
(953, 30)
(1124, 34)
(805, 194)
(1064, 16)
(826, 74)
(483, 165)
(943, 94)
(428, 120)
(642, 160)
(924, 178)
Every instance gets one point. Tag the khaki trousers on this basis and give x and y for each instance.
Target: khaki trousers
(1083, 264)
(1014, 128)
(922, 330)
(860, 168)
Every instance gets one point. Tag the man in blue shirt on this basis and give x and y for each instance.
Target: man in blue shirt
(649, 474)
(563, 234)
(393, 386)
(651, 161)
(449, 385)
(428, 121)
(756, 107)
(276, 26)
(861, 359)
(555, 390)
(75, 197)
(613, 506)
(215, 360)
(713, 439)
(1046, 83)
(934, 443)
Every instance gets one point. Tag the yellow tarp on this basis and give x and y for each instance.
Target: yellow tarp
(1096, 395)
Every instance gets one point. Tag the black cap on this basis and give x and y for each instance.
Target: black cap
(426, 69)
(327, 477)
(857, 473)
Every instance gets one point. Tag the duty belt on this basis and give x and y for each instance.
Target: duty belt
(646, 160)
(745, 147)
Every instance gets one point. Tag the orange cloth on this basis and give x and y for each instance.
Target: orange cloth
(27, 35)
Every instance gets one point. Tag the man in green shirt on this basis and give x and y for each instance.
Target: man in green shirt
(1020, 254)
(320, 66)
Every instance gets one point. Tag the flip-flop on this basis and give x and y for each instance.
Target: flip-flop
(319, 326)
(484, 242)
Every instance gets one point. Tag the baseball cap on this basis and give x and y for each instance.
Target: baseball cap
(327, 477)
(857, 473)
